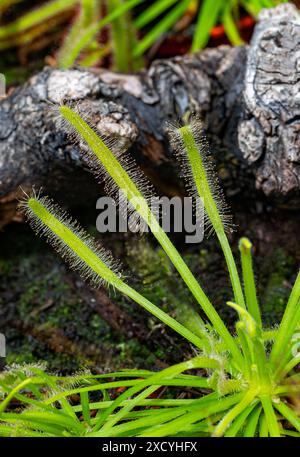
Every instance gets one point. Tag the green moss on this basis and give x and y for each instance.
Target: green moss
(160, 283)
(275, 271)
(5, 268)
(45, 299)
(135, 353)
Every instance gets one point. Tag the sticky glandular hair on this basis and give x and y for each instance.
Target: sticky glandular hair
(103, 175)
(61, 246)
(208, 171)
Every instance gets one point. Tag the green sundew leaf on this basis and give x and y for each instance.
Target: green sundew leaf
(230, 386)
(230, 27)
(84, 19)
(66, 407)
(55, 422)
(253, 7)
(270, 415)
(161, 27)
(245, 247)
(269, 335)
(105, 156)
(288, 325)
(246, 317)
(115, 374)
(234, 7)
(193, 153)
(246, 346)
(89, 15)
(152, 12)
(199, 430)
(182, 379)
(90, 11)
(198, 383)
(207, 425)
(84, 398)
(28, 36)
(261, 362)
(288, 414)
(94, 56)
(203, 412)
(263, 426)
(94, 263)
(147, 402)
(106, 397)
(238, 423)
(162, 316)
(292, 387)
(254, 341)
(107, 427)
(269, 3)
(7, 431)
(27, 400)
(282, 373)
(98, 387)
(16, 390)
(138, 414)
(90, 32)
(158, 418)
(22, 377)
(163, 419)
(42, 213)
(238, 409)
(10, 431)
(284, 363)
(101, 156)
(290, 433)
(209, 13)
(57, 418)
(136, 421)
(251, 426)
(34, 426)
(124, 39)
(170, 372)
(35, 17)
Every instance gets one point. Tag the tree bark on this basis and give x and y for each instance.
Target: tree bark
(248, 97)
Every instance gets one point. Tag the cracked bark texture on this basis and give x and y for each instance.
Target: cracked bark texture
(269, 131)
(248, 97)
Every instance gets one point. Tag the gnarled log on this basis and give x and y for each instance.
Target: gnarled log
(247, 96)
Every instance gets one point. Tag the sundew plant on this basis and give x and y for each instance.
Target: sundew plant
(247, 380)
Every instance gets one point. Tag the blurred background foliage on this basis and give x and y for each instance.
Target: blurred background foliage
(124, 35)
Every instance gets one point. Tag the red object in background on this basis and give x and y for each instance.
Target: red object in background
(244, 24)
(180, 44)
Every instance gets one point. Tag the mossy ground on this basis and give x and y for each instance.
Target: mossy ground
(48, 313)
